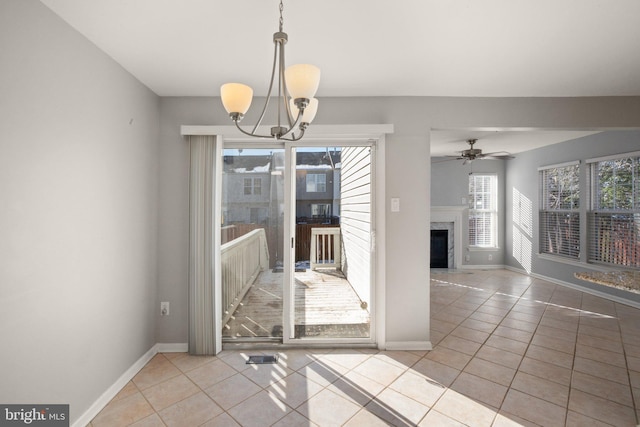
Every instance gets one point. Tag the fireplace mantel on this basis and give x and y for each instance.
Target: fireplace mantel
(452, 214)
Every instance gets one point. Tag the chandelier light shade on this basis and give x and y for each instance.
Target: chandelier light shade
(309, 112)
(302, 80)
(296, 105)
(236, 97)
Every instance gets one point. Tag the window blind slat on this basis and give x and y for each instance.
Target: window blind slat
(483, 212)
(614, 218)
(559, 216)
(615, 238)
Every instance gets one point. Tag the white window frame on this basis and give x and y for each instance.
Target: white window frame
(315, 182)
(612, 232)
(252, 186)
(488, 238)
(564, 248)
(325, 207)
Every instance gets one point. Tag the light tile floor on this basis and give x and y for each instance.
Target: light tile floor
(509, 350)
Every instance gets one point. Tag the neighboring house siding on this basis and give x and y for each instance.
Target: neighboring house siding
(356, 218)
(305, 199)
(245, 208)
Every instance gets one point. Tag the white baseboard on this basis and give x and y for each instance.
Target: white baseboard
(172, 347)
(482, 267)
(111, 392)
(408, 345)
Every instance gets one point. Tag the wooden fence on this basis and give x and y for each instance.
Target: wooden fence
(303, 238)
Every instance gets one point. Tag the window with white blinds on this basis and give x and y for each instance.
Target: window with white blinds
(559, 214)
(614, 216)
(483, 210)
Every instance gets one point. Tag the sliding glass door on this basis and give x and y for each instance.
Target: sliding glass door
(252, 243)
(331, 225)
(297, 239)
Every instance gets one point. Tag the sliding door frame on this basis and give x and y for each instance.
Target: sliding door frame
(321, 135)
(288, 335)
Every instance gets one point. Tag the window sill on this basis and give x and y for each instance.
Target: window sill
(482, 249)
(621, 279)
(595, 267)
(562, 260)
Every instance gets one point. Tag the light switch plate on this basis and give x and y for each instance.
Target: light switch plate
(395, 204)
(164, 308)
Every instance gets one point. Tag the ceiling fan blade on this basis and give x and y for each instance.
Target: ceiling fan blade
(442, 159)
(498, 153)
(498, 156)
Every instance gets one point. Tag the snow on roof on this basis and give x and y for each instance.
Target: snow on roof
(256, 169)
(313, 166)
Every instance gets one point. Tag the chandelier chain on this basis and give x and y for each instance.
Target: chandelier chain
(236, 97)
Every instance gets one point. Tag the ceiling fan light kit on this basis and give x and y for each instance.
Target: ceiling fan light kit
(297, 86)
(471, 153)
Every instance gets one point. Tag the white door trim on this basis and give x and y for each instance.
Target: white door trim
(325, 133)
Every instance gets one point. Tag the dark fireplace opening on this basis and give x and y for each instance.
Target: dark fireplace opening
(439, 249)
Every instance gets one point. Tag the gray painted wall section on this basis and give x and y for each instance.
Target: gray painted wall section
(522, 182)
(79, 214)
(78, 208)
(519, 202)
(408, 175)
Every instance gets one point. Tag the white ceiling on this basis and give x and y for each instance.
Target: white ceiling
(489, 48)
(452, 142)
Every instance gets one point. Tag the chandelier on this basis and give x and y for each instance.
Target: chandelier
(297, 86)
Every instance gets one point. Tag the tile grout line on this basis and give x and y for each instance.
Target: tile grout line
(494, 292)
(466, 297)
(519, 299)
(517, 369)
(573, 363)
(626, 364)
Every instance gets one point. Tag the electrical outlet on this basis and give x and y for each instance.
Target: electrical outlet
(164, 308)
(467, 258)
(490, 257)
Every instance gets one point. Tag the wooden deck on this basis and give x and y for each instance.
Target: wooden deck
(325, 306)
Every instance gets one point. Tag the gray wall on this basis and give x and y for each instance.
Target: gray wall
(408, 174)
(78, 197)
(408, 275)
(522, 180)
(80, 205)
(518, 188)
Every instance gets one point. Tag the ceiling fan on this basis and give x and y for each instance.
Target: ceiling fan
(472, 154)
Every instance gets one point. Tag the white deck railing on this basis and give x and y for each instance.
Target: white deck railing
(242, 260)
(326, 248)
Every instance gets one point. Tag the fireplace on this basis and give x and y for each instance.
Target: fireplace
(439, 249)
(446, 242)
